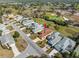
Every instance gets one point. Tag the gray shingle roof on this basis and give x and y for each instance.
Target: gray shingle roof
(61, 43)
(7, 39)
(65, 45)
(54, 38)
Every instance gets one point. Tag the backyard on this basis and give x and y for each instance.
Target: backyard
(8, 53)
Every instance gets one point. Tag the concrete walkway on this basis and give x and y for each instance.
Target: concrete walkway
(36, 40)
(14, 49)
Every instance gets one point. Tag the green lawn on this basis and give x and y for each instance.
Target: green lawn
(39, 20)
(55, 17)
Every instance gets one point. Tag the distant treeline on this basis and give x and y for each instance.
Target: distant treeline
(43, 1)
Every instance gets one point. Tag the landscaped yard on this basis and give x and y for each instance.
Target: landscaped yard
(27, 30)
(41, 43)
(9, 27)
(5, 53)
(33, 36)
(21, 44)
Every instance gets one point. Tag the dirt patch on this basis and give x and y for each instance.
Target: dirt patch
(5, 53)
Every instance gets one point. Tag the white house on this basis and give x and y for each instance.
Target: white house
(4, 29)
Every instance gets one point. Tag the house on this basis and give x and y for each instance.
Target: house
(18, 18)
(27, 23)
(68, 5)
(31, 24)
(7, 40)
(6, 18)
(60, 43)
(65, 45)
(37, 27)
(10, 17)
(4, 29)
(44, 33)
(54, 38)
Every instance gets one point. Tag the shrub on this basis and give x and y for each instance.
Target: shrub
(0, 32)
(16, 34)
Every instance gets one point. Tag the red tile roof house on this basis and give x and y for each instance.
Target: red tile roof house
(44, 33)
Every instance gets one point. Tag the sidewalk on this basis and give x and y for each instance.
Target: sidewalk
(14, 49)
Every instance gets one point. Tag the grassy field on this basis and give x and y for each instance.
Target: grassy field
(64, 30)
(54, 17)
(68, 31)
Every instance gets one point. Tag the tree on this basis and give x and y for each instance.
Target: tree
(73, 55)
(76, 37)
(58, 55)
(48, 25)
(1, 32)
(46, 17)
(66, 55)
(58, 13)
(16, 34)
(56, 27)
(76, 6)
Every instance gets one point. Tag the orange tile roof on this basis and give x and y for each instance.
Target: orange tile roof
(44, 32)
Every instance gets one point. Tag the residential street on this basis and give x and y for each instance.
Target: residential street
(32, 46)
